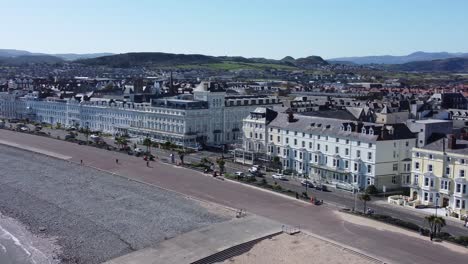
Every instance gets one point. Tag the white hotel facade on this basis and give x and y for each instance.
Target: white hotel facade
(345, 154)
(209, 117)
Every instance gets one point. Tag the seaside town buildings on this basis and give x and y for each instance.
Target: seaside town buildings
(439, 175)
(346, 142)
(342, 153)
(208, 116)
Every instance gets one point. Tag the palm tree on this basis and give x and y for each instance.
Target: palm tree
(365, 197)
(87, 132)
(435, 224)
(276, 162)
(121, 142)
(147, 142)
(221, 164)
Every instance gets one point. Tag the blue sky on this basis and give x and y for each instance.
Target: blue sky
(251, 28)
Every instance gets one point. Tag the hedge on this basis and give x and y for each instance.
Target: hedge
(460, 240)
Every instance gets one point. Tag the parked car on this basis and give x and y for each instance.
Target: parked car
(322, 188)
(239, 174)
(69, 136)
(250, 175)
(138, 150)
(95, 138)
(279, 177)
(254, 169)
(307, 183)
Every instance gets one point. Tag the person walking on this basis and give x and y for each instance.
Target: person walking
(117, 161)
(147, 163)
(81, 162)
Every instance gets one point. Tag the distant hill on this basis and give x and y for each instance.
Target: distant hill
(75, 56)
(124, 60)
(445, 65)
(15, 53)
(388, 59)
(310, 61)
(148, 58)
(169, 59)
(30, 59)
(11, 53)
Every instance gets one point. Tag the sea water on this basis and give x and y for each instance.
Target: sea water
(18, 246)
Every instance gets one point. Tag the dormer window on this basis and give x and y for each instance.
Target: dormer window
(371, 131)
(349, 128)
(363, 131)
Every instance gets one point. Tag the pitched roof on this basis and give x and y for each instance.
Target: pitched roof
(338, 128)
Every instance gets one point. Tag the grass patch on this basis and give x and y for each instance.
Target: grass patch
(228, 66)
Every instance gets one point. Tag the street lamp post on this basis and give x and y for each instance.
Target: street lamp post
(437, 203)
(355, 197)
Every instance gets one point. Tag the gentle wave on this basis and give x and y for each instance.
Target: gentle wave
(14, 239)
(32, 254)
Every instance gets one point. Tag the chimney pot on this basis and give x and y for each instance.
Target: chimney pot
(452, 142)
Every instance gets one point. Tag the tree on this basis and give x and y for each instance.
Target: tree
(276, 162)
(221, 164)
(121, 142)
(205, 161)
(365, 197)
(147, 142)
(435, 224)
(86, 132)
(58, 126)
(167, 145)
(372, 190)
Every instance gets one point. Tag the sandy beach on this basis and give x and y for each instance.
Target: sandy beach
(298, 249)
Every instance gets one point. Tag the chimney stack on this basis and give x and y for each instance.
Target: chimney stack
(171, 86)
(384, 133)
(290, 116)
(358, 127)
(452, 142)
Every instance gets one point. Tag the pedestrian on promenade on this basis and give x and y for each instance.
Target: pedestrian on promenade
(147, 163)
(117, 161)
(81, 162)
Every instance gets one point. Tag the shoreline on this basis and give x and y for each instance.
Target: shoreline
(19, 245)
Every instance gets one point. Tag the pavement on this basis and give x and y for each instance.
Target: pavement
(201, 243)
(392, 247)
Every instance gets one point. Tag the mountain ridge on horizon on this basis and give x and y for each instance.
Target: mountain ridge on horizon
(400, 59)
(12, 56)
(171, 59)
(12, 53)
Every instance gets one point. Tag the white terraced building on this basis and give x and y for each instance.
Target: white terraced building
(344, 154)
(208, 116)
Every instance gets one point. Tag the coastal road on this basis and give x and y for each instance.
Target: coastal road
(393, 247)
